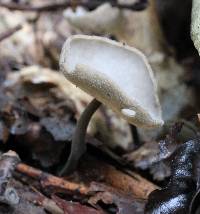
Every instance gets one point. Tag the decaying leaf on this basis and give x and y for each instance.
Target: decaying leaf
(178, 193)
(119, 203)
(111, 129)
(73, 207)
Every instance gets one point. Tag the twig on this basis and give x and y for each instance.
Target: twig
(128, 182)
(8, 194)
(9, 32)
(140, 5)
(134, 184)
(48, 180)
(46, 7)
(137, 6)
(48, 204)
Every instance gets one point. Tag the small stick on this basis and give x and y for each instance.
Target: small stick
(32, 8)
(134, 184)
(8, 194)
(129, 182)
(41, 200)
(9, 32)
(139, 5)
(47, 179)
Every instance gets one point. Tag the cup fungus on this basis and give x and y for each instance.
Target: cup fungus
(115, 75)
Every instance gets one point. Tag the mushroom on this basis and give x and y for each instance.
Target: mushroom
(115, 75)
(195, 24)
(104, 19)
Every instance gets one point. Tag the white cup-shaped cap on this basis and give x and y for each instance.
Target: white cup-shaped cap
(115, 74)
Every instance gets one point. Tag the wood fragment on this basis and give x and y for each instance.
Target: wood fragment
(32, 8)
(8, 194)
(48, 180)
(128, 182)
(9, 32)
(70, 207)
(41, 200)
(133, 184)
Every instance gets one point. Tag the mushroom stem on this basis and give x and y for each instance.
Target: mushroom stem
(78, 140)
(135, 136)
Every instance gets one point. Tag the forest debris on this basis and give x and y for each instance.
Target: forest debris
(33, 8)
(150, 157)
(181, 27)
(115, 23)
(145, 156)
(119, 202)
(178, 193)
(124, 201)
(39, 115)
(8, 163)
(130, 183)
(48, 180)
(39, 199)
(134, 184)
(9, 32)
(25, 205)
(32, 136)
(105, 19)
(194, 205)
(20, 49)
(39, 145)
(70, 207)
(30, 83)
(155, 156)
(4, 132)
(52, 30)
(137, 6)
(60, 128)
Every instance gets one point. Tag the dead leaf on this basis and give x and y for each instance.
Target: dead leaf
(70, 207)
